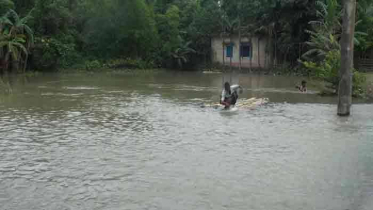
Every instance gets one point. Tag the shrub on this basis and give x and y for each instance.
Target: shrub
(52, 52)
(129, 63)
(93, 65)
(328, 71)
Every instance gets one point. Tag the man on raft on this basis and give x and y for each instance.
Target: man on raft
(229, 95)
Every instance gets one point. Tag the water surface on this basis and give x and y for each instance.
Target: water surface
(142, 141)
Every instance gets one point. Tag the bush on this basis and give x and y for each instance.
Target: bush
(359, 81)
(328, 71)
(54, 52)
(93, 65)
(129, 63)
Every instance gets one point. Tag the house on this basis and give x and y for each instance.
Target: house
(254, 52)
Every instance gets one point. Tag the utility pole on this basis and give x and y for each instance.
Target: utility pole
(347, 56)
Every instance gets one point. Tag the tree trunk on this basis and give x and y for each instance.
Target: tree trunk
(16, 63)
(251, 53)
(25, 64)
(230, 58)
(275, 50)
(6, 61)
(222, 42)
(260, 66)
(239, 44)
(347, 56)
(265, 54)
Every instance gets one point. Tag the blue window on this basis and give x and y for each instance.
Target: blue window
(245, 51)
(229, 51)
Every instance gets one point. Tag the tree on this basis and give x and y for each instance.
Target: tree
(11, 48)
(323, 59)
(347, 53)
(182, 52)
(17, 38)
(230, 28)
(168, 29)
(365, 17)
(5, 6)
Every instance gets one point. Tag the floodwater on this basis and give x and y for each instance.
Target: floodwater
(142, 141)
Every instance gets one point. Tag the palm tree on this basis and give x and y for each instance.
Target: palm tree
(181, 53)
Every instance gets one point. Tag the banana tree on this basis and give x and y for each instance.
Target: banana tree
(12, 47)
(181, 54)
(326, 33)
(15, 32)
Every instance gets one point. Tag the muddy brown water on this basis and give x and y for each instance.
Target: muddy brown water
(143, 141)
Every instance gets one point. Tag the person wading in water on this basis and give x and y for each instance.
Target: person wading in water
(302, 87)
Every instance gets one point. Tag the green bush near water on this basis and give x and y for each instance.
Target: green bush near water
(328, 71)
(126, 63)
(50, 53)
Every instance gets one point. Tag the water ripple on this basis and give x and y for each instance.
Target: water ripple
(140, 149)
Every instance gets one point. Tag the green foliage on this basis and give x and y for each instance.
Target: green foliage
(16, 37)
(320, 44)
(326, 32)
(122, 28)
(323, 59)
(359, 82)
(168, 29)
(5, 6)
(181, 54)
(50, 53)
(129, 63)
(365, 17)
(93, 65)
(328, 71)
(156, 31)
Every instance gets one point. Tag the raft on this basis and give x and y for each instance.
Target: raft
(250, 103)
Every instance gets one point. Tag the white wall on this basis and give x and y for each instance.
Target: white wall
(217, 51)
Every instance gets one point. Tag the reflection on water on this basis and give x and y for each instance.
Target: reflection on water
(144, 142)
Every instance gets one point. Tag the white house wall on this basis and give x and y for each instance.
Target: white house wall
(217, 52)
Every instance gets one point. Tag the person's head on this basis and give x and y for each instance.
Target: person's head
(227, 86)
(304, 83)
